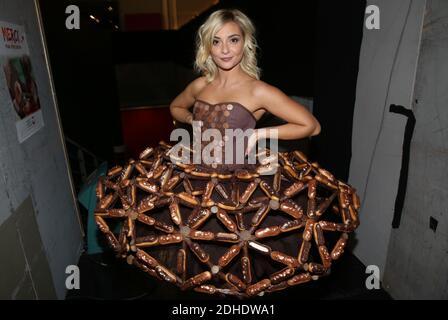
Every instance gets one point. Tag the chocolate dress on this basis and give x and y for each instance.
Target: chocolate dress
(226, 227)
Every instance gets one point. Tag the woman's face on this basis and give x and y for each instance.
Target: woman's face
(228, 46)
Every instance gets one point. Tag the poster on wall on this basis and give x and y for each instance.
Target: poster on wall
(16, 67)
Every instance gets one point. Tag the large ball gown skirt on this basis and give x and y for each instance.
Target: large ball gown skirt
(240, 232)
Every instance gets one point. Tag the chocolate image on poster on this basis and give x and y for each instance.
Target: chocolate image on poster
(22, 86)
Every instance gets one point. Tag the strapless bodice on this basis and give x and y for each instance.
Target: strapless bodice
(231, 121)
(224, 115)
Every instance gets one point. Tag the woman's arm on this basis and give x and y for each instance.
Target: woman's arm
(180, 105)
(301, 123)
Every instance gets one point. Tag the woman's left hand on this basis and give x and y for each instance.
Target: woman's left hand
(252, 141)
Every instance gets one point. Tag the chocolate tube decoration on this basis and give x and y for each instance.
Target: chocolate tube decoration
(117, 213)
(170, 238)
(259, 247)
(260, 215)
(222, 191)
(113, 242)
(163, 201)
(343, 196)
(226, 237)
(284, 258)
(269, 190)
(325, 204)
(277, 182)
(277, 287)
(187, 186)
(258, 287)
(304, 251)
(114, 171)
(300, 156)
(197, 280)
(339, 247)
(246, 270)
(187, 199)
(325, 182)
(318, 234)
(199, 252)
(165, 274)
(172, 183)
(290, 207)
(157, 173)
(162, 226)
(126, 172)
(140, 168)
(295, 189)
(202, 235)
(311, 208)
(298, 279)
(146, 153)
(235, 194)
(107, 201)
(291, 225)
(240, 221)
(175, 212)
(247, 193)
(291, 173)
(147, 259)
(181, 265)
(146, 241)
(198, 217)
(148, 186)
(166, 176)
(226, 220)
(207, 288)
(100, 189)
(325, 256)
(267, 232)
(229, 255)
(146, 204)
(356, 201)
(235, 281)
(281, 275)
(316, 268)
(308, 232)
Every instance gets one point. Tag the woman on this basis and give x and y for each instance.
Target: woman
(226, 56)
(224, 224)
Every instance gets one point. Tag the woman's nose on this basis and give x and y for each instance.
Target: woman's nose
(224, 48)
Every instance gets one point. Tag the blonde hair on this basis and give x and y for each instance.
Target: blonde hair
(204, 39)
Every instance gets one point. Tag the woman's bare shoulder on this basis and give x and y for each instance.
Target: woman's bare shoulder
(261, 87)
(197, 85)
(261, 90)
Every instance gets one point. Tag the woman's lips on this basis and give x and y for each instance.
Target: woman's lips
(226, 59)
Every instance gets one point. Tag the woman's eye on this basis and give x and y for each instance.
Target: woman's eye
(215, 42)
(235, 40)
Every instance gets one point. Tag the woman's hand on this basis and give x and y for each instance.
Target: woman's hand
(180, 105)
(252, 141)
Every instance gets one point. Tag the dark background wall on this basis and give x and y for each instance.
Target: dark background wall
(339, 28)
(84, 76)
